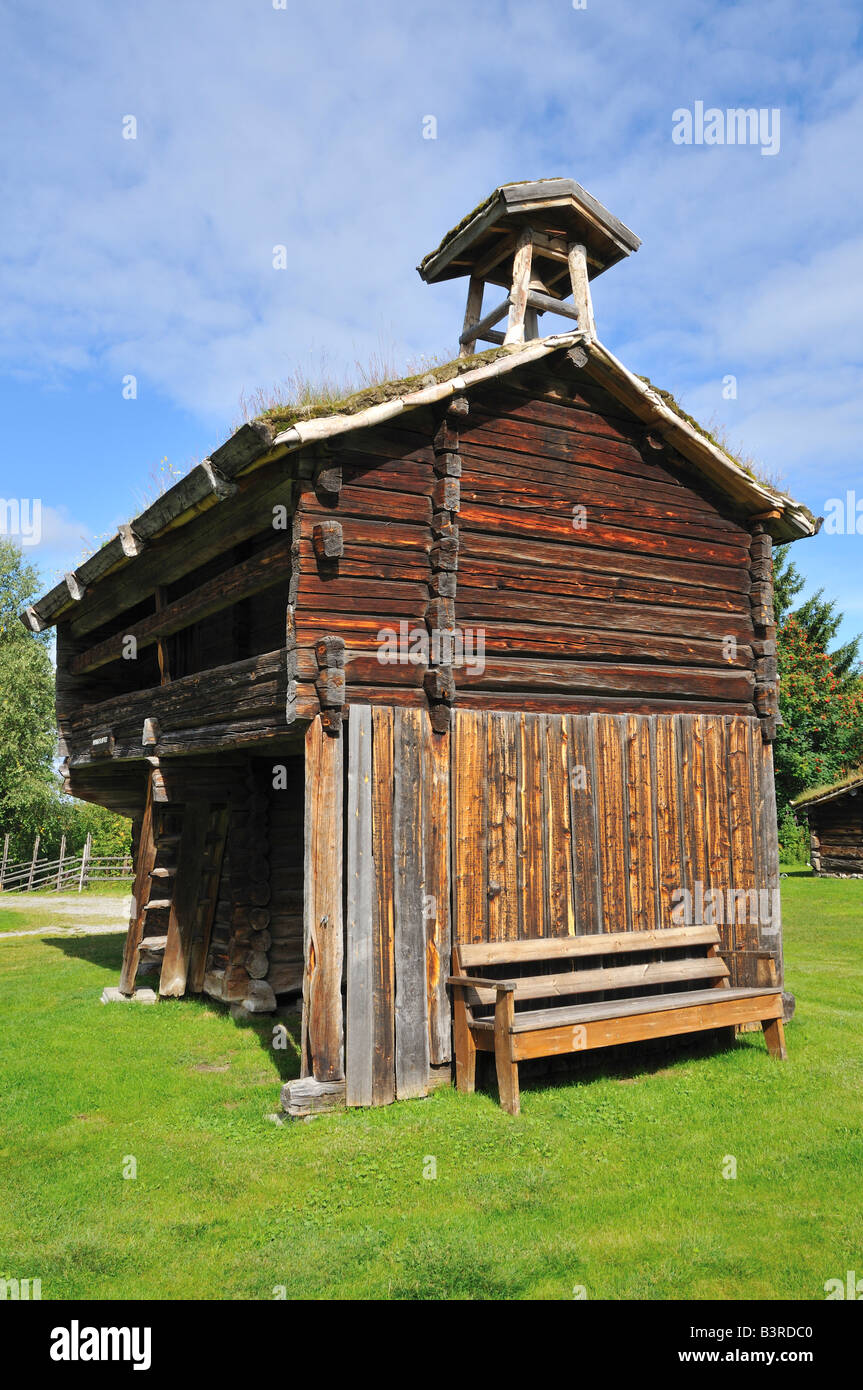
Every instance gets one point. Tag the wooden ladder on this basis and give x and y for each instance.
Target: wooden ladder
(176, 888)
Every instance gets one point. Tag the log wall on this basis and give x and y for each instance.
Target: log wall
(601, 576)
(836, 831)
(599, 573)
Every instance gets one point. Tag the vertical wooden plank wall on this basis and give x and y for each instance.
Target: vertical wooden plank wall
(612, 818)
(398, 903)
(514, 825)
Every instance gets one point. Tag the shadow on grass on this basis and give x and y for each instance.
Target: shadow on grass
(626, 1064)
(107, 952)
(285, 1060)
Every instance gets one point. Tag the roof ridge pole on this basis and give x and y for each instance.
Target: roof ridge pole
(577, 256)
(472, 315)
(521, 265)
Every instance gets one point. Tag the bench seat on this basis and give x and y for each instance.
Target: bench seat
(577, 968)
(533, 1019)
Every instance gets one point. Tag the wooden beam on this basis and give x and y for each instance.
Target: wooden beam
(480, 329)
(323, 1022)
(310, 1097)
(184, 900)
(552, 247)
(409, 889)
(581, 289)
(467, 341)
(503, 248)
(520, 287)
(140, 894)
(547, 304)
(491, 335)
(383, 966)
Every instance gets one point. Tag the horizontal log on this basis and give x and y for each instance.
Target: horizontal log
(187, 696)
(610, 679)
(285, 978)
(484, 577)
(547, 304)
(603, 644)
(527, 550)
(607, 616)
(600, 465)
(397, 506)
(602, 502)
(509, 521)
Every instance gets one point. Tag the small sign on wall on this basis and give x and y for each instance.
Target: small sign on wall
(102, 744)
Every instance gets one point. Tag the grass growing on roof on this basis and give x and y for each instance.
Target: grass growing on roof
(614, 1183)
(715, 433)
(306, 398)
(850, 780)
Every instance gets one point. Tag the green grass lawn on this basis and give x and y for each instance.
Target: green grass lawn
(612, 1182)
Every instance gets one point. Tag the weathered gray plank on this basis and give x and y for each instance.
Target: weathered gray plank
(411, 1009)
(359, 1035)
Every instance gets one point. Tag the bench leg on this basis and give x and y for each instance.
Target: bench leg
(465, 1047)
(774, 1036)
(507, 1069)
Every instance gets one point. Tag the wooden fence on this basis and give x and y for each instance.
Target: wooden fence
(67, 872)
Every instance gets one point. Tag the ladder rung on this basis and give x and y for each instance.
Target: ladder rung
(162, 873)
(156, 904)
(167, 840)
(153, 943)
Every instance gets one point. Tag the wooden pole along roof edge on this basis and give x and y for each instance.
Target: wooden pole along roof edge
(257, 443)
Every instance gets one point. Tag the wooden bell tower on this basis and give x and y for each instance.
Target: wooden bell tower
(541, 242)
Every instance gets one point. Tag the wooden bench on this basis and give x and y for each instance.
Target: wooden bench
(686, 976)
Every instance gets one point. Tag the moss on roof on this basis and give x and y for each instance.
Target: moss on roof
(281, 417)
(674, 405)
(850, 780)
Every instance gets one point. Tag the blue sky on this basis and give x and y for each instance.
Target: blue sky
(260, 126)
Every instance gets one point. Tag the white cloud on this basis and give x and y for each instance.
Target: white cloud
(303, 127)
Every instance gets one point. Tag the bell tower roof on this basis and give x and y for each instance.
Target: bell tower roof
(541, 241)
(560, 208)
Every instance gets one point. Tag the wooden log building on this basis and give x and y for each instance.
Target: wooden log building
(486, 656)
(835, 816)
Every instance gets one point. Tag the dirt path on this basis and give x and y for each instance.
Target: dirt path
(67, 931)
(66, 915)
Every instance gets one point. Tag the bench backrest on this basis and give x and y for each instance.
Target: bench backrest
(671, 957)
